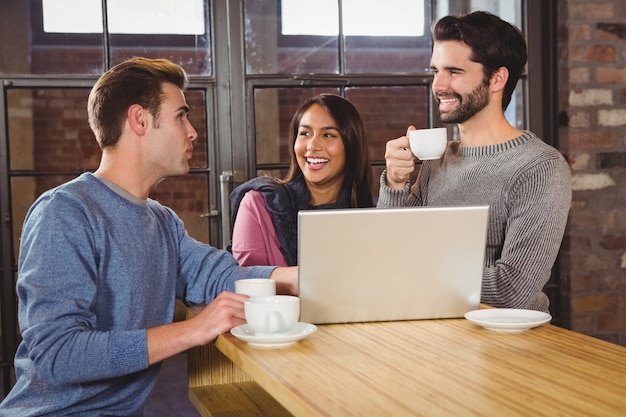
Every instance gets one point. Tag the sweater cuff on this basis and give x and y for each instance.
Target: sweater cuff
(129, 351)
(391, 197)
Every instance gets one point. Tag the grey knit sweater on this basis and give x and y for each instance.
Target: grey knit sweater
(527, 185)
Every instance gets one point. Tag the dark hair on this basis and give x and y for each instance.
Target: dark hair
(135, 81)
(494, 43)
(357, 172)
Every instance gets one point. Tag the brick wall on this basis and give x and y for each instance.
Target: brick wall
(592, 134)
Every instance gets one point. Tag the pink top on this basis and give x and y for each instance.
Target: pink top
(254, 238)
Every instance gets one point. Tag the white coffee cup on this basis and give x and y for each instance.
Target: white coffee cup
(428, 143)
(273, 314)
(256, 287)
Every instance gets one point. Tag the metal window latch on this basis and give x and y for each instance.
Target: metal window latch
(212, 213)
(227, 183)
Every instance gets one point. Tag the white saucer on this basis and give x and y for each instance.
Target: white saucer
(298, 332)
(508, 319)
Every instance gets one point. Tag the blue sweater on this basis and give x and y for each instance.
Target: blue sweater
(97, 267)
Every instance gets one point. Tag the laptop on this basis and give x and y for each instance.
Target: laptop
(375, 264)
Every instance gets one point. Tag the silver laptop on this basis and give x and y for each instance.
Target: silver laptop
(363, 265)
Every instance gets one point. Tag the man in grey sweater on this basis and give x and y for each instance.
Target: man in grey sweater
(477, 60)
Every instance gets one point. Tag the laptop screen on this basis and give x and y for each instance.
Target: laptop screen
(360, 265)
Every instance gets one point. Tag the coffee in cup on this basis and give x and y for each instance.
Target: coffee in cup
(256, 287)
(272, 314)
(428, 143)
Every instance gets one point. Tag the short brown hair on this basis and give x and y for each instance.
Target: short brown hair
(135, 81)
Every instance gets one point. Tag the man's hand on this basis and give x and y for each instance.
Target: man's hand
(222, 314)
(400, 161)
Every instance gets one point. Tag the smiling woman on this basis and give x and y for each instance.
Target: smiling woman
(330, 168)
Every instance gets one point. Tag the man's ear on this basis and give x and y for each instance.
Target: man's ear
(499, 79)
(137, 119)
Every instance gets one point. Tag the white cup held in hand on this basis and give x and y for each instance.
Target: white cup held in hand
(273, 314)
(428, 143)
(256, 287)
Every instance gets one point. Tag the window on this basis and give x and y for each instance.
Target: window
(359, 18)
(84, 43)
(373, 53)
(125, 17)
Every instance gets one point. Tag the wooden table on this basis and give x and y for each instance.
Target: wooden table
(412, 368)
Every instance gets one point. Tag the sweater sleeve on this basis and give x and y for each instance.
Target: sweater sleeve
(539, 206)
(205, 271)
(57, 288)
(390, 197)
(254, 238)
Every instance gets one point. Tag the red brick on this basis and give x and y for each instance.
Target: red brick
(611, 283)
(577, 243)
(589, 140)
(579, 32)
(593, 53)
(580, 119)
(595, 262)
(583, 222)
(612, 337)
(613, 242)
(622, 301)
(581, 284)
(580, 75)
(594, 303)
(590, 10)
(610, 322)
(611, 75)
(583, 323)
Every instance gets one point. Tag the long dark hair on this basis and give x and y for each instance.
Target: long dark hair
(357, 172)
(494, 42)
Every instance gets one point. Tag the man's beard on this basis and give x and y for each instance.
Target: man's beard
(468, 104)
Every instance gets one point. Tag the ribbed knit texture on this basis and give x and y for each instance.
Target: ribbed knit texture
(98, 267)
(527, 185)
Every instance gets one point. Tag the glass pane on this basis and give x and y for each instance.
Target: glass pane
(515, 111)
(377, 171)
(188, 196)
(271, 49)
(47, 42)
(24, 192)
(509, 10)
(48, 130)
(180, 34)
(274, 173)
(401, 45)
(32, 50)
(196, 99)
(388, 111)
(273, 111)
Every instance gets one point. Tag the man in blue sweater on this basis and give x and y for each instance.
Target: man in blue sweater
(101, 264)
